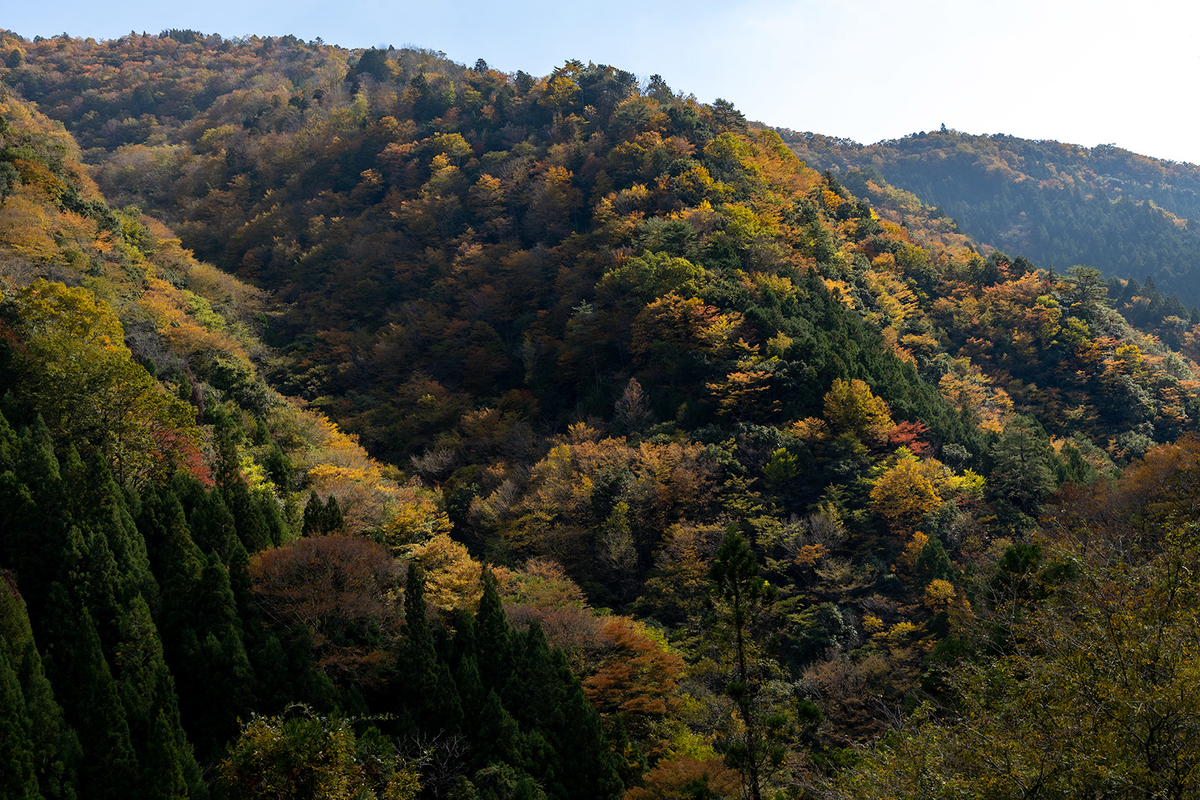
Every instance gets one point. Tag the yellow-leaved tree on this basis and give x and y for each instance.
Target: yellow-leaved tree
(902, 495)
(73, 367)
(852, 408)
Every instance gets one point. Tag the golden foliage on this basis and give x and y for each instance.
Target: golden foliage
(78, 374)
(903, 496)
(939, 594)
(452, 577)
(25, 226)
(852, 408)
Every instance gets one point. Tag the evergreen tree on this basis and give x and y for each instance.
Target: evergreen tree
(109, 766)
(491, 635)
(314, 516)
(470, 687)
(498, 739)
(213, 526)
(332, 521)
(38, 543)
(250, 524)
(18, 778)
(54, 748)
(420, 673)
(1023, 463)
(214, 674)
(100, 588)
(277, 528)
(535, 690)
(163, 776)
(932, 563)
(110, 514)
(247, 610)
(147, 688)
(741, 596)
(279, 467)
(588, 768)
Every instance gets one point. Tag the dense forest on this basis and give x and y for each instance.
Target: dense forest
(1131, 216)
(375, 426)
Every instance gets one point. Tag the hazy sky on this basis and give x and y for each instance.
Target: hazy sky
(1084, 72)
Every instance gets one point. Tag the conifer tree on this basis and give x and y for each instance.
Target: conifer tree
(421, 667)
(314, 516)
(740, 597)
(470, 687)
(163, 775)
(109, 513)
(277, 528)
(18, 778)
(8, 438)
(1022, 467)
(109, 766)
(499, 737)
(38, 544)
(588, 768)
(433, 697)
(332, 518)
(534, 690)
(491, 635)
(214, 672)
(250, 524)
(147, 687)
(463, 643)
(177, 567)
(243, 598)
(53, 746)
(213, 526)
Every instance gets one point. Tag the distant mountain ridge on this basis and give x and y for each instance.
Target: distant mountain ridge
(1131, 216)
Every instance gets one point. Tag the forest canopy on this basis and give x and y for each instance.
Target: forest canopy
(376, 426)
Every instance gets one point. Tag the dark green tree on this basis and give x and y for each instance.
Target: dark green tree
(314, 516)
(18, 777)
(213, 526)
(432, 698)
(109, 766)
(740, 598)
(249, 521)
(499, 737)
(1023, 464)
(492, 635)
(333, 522)
(587, 766)
(53, 747)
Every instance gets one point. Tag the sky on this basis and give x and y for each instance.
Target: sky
(1096, 72)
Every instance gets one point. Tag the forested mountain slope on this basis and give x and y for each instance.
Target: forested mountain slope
(1059, 205)
(162, 582)
(748, 455)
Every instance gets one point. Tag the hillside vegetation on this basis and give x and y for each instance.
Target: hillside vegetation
(1128, 215)
(676, 468)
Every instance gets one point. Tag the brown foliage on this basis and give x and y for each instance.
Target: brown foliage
(341, 590)
(635, 678)
(1160, 489)
(686, 777)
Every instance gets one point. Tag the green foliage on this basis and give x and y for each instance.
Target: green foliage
(75, 371)
(1103, 206)
(1023, 468)
(741, 597)
(302, 754)
(474, 272)
(649, 276)
(1085, 694)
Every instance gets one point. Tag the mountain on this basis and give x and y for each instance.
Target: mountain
(672, 466)
(1131, 216)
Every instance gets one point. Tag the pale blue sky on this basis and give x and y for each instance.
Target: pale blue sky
(1084, 72)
